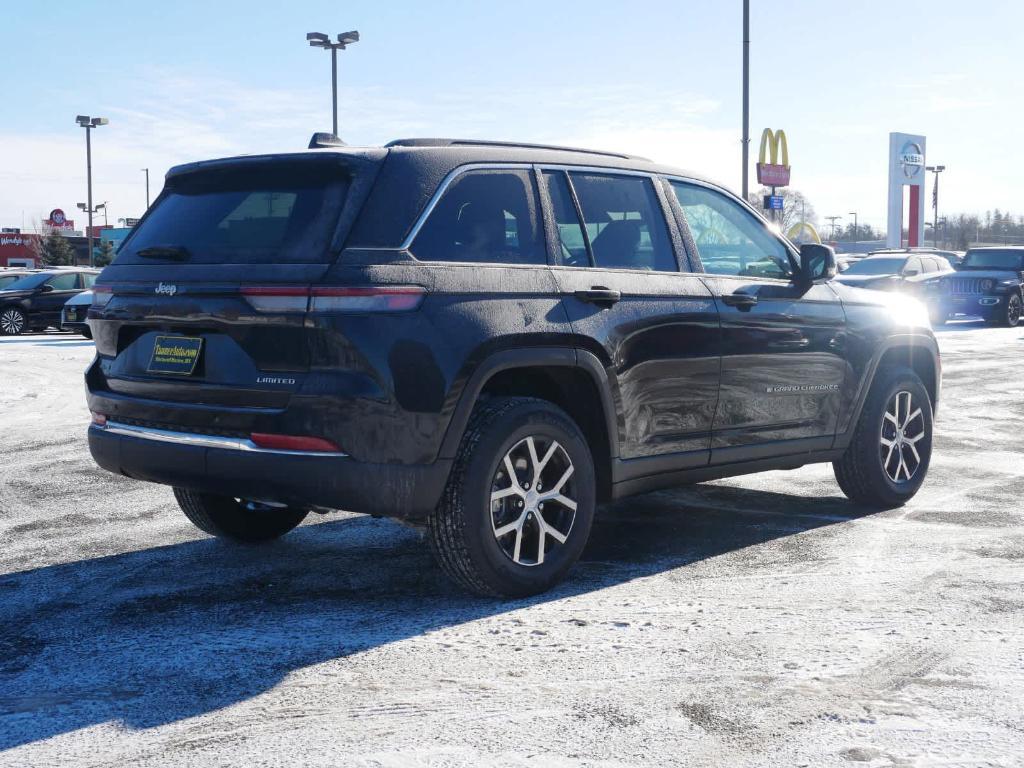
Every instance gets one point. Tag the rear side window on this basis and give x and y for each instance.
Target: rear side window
(624, 222)
(572, 242)
(929, 265)
(484, 216)
(262, 216)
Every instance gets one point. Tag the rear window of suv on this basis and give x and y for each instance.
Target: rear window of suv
(256, 215)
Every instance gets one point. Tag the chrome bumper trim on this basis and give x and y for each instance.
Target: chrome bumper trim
(200, 440)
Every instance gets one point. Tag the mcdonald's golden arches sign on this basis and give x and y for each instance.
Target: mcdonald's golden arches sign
(770, 171)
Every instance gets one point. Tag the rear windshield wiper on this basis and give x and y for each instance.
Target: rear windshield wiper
(172, 252)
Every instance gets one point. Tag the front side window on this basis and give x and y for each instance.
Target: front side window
(624, 222)
(484, 217)
(65, 282)
(913, 266)
(730, 239)
(90, 279)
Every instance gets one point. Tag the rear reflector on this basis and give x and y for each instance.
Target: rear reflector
(101, 295)
(98, 419)
(293, 443)
(381, 298)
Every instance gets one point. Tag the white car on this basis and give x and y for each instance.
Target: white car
(72, 316)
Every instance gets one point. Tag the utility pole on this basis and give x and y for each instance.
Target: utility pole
(746, 99)
(146, 170)
(89, 123)
(832, 223)
(936, 169)
(854, 214)
(320, 40)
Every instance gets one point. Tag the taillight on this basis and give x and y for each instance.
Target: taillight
(384, 298)
(99, 419)
(293, 443)
(380, 298)
(276, 298)
(101, 295)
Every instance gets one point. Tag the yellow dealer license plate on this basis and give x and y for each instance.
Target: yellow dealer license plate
(175, 354)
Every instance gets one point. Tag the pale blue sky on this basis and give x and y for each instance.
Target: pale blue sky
(189, 80)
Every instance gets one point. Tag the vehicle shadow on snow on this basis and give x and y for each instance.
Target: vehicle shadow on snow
(153, 637)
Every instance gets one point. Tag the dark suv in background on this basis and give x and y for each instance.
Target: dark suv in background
(989, 282)
(34, 301)
(488, 339)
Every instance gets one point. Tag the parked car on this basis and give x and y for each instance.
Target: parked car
(74, 313)
(987, 283)
(915, 274)
(486, 339)
(953, 258)
(34, 301)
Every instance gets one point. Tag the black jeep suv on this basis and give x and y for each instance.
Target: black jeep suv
(488, 339)
(989, 282)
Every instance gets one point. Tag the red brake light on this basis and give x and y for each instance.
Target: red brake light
(293, 443)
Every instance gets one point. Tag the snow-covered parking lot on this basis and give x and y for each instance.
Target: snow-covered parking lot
(755, 621)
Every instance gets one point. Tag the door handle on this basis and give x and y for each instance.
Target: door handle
(598, 294)
(742, 301)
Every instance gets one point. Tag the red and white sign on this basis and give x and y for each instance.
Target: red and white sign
(18, 250)
(773, 175)
(58, 220)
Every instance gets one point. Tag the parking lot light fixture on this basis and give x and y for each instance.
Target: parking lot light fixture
(87, 122)
(936, 169)
(321, 40)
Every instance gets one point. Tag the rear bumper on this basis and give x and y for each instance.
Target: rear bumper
(213, 465)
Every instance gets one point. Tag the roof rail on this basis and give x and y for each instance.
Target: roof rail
(511, 144)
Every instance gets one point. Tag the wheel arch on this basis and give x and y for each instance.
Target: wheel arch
(570, 378)
(918, 352)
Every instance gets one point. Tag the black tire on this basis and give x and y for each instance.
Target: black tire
(87, 332)
(237, 520)
(12, 321)
(464, 527)
(1009, 315)
(863, 473)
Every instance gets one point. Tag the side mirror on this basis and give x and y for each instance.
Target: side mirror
(911, 273)
(46, 288)
(817, 263)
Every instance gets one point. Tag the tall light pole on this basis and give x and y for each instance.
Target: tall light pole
(89, 123)
(854, 214)
(146, 171)
(936, 169)
(746, 99)
(320, 40)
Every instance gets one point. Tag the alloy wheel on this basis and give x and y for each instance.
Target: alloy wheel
(12, 322)
(1013, 311)
(903, 427)
(533, 500)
